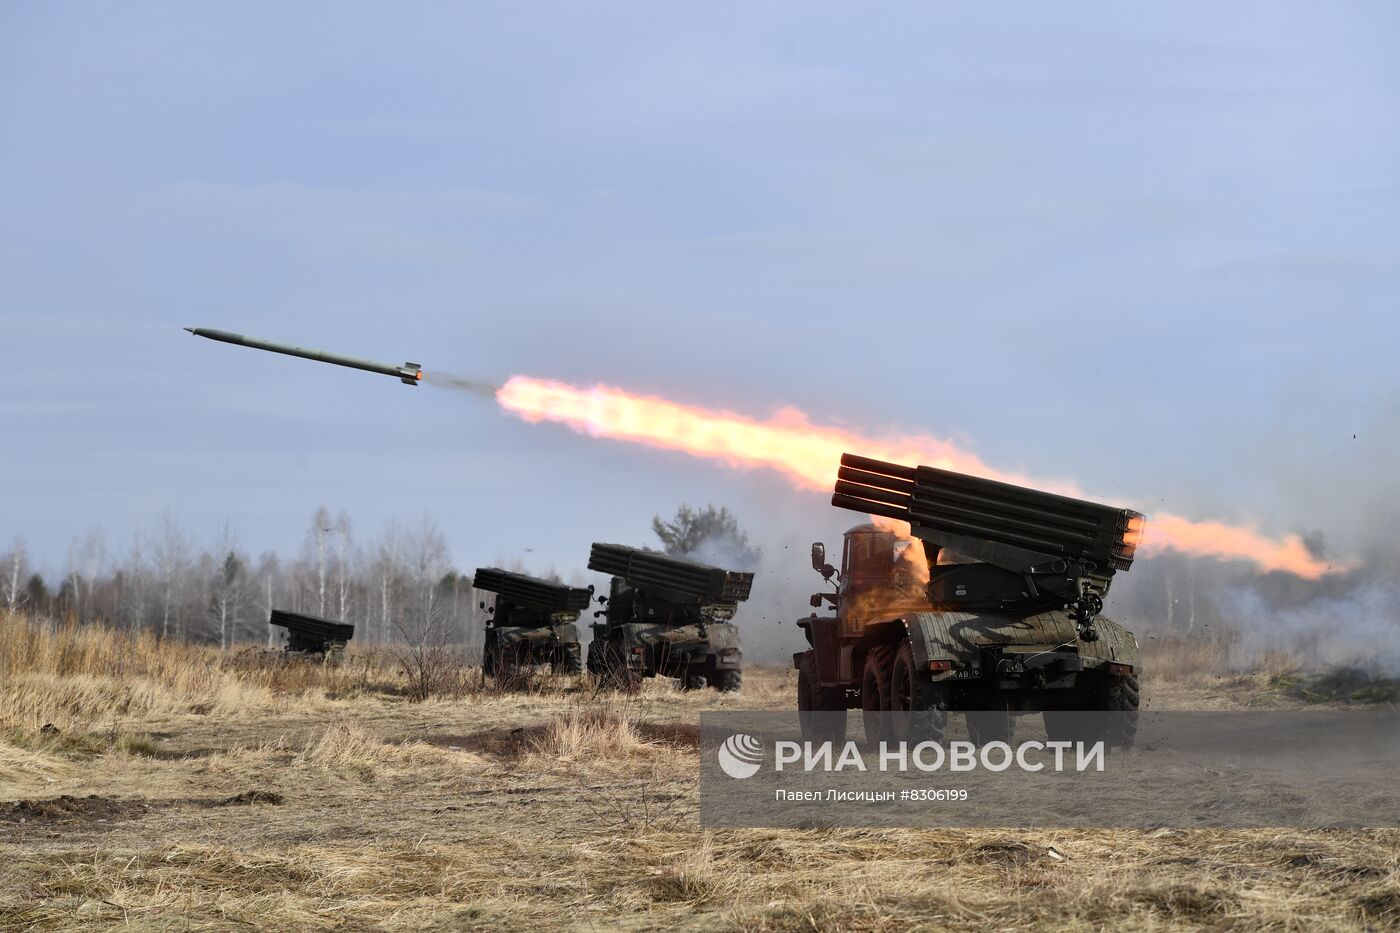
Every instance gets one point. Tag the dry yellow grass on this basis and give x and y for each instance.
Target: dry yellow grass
(553, 808)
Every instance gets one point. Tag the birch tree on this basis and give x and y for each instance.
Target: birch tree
(316, 552)
(16, 574)
(268, 578)
(170, 550)
(343, 557)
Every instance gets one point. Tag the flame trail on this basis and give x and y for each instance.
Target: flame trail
(809, 455)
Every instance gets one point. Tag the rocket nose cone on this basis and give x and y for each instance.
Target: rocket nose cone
(190, 329)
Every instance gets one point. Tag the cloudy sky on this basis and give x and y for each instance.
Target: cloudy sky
(1155, 252)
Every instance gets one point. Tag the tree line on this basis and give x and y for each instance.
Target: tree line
(395, 587)
(390, 586)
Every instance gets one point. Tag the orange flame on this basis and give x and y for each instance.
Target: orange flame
(809, 456)
(912, 559)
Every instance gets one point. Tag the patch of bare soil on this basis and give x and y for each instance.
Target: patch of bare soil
(249, 797)
(504, 742)
(67, 809)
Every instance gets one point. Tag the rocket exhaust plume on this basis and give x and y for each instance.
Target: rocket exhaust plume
(461, 383)
(809, 455)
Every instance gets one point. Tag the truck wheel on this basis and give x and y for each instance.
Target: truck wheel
(595, 658)
(820, 710)
(918, 706)
(568, 664)
(727, 681)
(875, 695)
(1072, 725)
(994, 725)
(1120, 702)
(693, 680)
(619, 675)
(505, 670)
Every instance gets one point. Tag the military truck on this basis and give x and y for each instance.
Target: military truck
(967, 594)
(666, 616)
(310, 635)
(531, 623)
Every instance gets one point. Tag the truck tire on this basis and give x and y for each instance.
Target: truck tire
(505, 671)
(875, 695)
(812, 698)
(993, 725)
(1108, 715)
(596, 667)
(727, 681)
(1120, 701)
(693, 680)
(918, 706)
(619, 675)
(568, 664)
(1072, 725)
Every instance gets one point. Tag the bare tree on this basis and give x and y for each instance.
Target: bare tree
(228, 588)
(269, 570)
(426, 653)
(316, 554)
(171, 552)
(86, 556)
(16, 574)
(388, 577)
(343, 555)
(136, 587)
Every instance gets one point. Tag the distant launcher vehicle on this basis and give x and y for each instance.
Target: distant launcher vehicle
(311, 635)
(988, 604)
(666, 616)
(531, 623)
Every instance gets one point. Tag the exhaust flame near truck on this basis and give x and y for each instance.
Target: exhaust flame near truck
(808, 454)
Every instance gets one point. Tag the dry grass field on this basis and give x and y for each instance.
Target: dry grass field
(168, 787)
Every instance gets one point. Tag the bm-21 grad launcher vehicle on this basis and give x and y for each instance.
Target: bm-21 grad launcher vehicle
(666, 616)
(531, 624)
(310, 635)
(990, 604)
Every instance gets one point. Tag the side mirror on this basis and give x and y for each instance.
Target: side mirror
(816, 601)
(818, 556)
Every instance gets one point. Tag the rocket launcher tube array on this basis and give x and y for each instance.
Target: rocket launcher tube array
(408, 373)
(1011, 526)
(703, 583)
(531, 592)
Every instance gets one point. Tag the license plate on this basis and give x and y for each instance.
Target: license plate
(966, 673)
